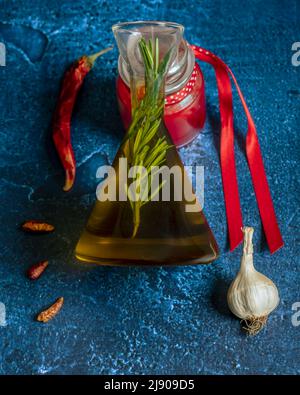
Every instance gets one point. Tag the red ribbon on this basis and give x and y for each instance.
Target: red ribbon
(254, 158)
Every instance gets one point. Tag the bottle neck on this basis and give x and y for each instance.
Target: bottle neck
(179, 72)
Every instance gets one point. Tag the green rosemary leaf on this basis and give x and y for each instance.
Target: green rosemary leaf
(164, 63)
(156, 55)
(138, 139)
(159, 158)
(157, 111)
(148, 58)
(156, 191)
(144, 152)
(155, 152)
(151, 133)
(150, 47)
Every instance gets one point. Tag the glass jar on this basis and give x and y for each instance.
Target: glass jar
(185, 112)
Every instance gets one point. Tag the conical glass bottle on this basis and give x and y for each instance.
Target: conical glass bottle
(141, 216)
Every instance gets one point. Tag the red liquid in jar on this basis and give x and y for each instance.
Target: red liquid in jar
(184, 110)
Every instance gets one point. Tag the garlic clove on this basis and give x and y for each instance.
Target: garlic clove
(252, 296)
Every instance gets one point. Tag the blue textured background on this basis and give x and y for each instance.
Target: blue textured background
(131, 320)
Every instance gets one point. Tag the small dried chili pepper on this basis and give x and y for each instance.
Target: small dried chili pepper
(61, 133)
(34, 226)
(51, 312)
(35, 271)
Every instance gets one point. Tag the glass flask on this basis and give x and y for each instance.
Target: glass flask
(185, 107)
(146, 212)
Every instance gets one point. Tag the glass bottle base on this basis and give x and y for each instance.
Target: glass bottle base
(117, 251)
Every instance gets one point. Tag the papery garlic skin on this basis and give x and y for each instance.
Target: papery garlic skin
(251, 295)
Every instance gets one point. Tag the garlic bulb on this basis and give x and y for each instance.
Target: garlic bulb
(251, 296)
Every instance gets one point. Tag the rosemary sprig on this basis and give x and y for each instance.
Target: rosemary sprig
(144, 149)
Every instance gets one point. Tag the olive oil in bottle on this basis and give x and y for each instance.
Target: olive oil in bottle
(142, 215)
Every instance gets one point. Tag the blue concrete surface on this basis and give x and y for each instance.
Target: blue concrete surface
(131, 320)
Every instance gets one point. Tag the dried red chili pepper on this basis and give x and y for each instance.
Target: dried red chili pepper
(33, 226)
(61, 133)
(35, 271)
(51, 312)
